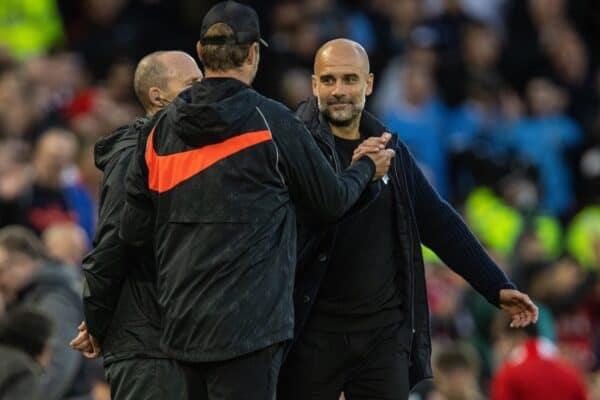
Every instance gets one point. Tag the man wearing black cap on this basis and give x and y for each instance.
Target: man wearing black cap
(212, 187)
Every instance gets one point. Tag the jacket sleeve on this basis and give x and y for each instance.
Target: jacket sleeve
(104, 269)
(65, 310)
(137, 217)
(445, 232)
(310, 179)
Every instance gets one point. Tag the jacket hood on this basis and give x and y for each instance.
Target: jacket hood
(122, 138)
(211, 110)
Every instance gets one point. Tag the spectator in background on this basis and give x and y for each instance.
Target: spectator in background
(477, 112)
(105, 32)
(295, 87)
(17, 116)
(52, 199)
(570, 67)
(421, 51)
(419, 122)
(583, 237)
(570, 292)
(543, 140)
(66, 242)
(16, 177)
(29, 278)
(28, 28)
(531, 369)
(456, 370)
(24, 350)
(404, 17)
(528, 24)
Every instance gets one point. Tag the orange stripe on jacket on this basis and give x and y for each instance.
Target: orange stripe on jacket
(165, 172)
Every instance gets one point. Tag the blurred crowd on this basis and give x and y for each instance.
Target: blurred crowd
(498, 100)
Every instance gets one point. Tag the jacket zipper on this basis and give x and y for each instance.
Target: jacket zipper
(411, 256)
(332, 151)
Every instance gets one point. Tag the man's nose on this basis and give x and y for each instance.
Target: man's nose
(338, 90)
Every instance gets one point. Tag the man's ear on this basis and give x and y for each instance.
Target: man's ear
(315, 82)
(370, 79)
(154, 96)
(253, 52)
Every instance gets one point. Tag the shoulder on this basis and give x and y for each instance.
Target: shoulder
(279, 116)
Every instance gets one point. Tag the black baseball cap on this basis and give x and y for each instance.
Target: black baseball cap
(241, 18)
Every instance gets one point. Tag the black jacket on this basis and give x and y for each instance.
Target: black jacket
(119, 300)
(422, 216)
(220, 170)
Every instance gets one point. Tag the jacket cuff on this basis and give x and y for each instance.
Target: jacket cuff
(495, 295)
(369, 164)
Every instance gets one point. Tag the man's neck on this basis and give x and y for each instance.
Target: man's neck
(350, 132)
(234, 74)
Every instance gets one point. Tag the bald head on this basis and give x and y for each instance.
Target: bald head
(342, 51)
(341, 82)
(161, 76)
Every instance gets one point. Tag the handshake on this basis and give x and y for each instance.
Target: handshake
(375, 148)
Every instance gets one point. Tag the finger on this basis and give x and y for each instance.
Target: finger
(367, 149)
(86, 347)
(82, 326)
(83, 347)
(516, 321)
(386, 137)
(82, 342)
(79, 339)
(90, 354)
(373, 141)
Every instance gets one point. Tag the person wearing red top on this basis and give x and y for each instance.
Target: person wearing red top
(533, 369)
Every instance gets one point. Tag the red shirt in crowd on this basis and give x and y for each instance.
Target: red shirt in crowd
(534, 371)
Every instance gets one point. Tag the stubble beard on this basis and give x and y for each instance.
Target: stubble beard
(340, 118)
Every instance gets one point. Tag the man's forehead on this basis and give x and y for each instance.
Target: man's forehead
(340, 69)
(341, 58)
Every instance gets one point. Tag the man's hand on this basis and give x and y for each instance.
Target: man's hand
(519, 306)
(374, 148)
(85, 343)
(374, 144)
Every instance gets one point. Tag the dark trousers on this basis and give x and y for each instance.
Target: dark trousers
(249, 377)
(145, 378)
(364, 365)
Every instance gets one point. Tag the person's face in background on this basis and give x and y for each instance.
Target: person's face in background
(419, 84)
(15, 272)
(544, 97)
(295, 87)
(544, 12)
(481, 47)
(341, 82)
(66, 242)
(55, 152)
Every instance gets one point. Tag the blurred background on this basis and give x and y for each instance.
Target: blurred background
(498, 100)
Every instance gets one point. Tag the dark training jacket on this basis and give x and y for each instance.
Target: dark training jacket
(119, 299)
(422, 216)
(220, 170)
